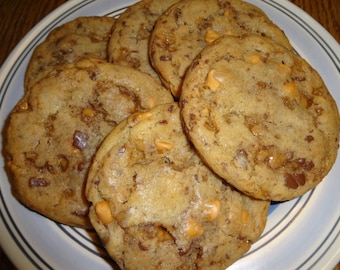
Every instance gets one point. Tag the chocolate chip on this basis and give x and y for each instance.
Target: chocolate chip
(177, 13)
(182, 252)
(81, 166)
(171, 108)
(79, 140)
(205, 23)
(309, 138)
(301, 161)
(142, 247)
(165, 57)
(308, 165)
(299, 79)
(290, 181)
(93, 75)
(163, 122)
(37, 182)
(294, 180)
(300, 178)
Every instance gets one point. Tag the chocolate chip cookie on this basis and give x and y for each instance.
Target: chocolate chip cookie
(57, 126)
(82, 37)
(155, 205)
(189, 25)
(129, 42)
(261, 117)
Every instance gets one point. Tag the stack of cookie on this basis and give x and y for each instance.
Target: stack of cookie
(73, 98)
(170, 130)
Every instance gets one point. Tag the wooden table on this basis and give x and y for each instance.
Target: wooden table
(17, 17)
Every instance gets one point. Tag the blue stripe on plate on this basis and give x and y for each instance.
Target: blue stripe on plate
(312, 32)
(301, 206)
(327, 238)
(79, 238)
(22, 243)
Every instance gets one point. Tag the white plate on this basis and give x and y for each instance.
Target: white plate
(300, 234)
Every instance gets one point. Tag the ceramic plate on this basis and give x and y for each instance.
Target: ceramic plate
(300, 234)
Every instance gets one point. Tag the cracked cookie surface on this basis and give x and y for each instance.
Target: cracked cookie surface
(55, 129)
(261, 117)
(155, 205)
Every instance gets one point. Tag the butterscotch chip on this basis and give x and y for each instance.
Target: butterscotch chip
(270, 127)
(129, 42)
(52, 138)
(169, 210)
(83, 37)
(188, 26)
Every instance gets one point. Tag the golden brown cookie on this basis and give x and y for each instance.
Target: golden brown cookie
(189, 25)
(155, 205)
(83, 37)
(261, 117)
(129, 42)
(55, 129)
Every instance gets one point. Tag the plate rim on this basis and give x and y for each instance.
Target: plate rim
(6, 68)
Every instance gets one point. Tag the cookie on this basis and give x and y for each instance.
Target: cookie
(261, 117)
(188, 26)
(82, 37)
(129, 42)
(155, 205)
(57, 126)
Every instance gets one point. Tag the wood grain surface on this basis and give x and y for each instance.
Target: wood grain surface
(17, 17)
